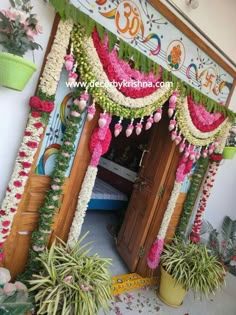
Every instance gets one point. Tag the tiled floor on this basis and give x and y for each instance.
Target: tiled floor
(145, 301)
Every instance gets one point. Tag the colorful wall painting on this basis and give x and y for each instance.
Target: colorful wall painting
(144, 28)
(55, 130)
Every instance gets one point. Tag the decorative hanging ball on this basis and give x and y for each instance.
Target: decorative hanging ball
(69, 62)
(187, 152)
(197, 155)
(138, 128)
(205, 153)
(118, 128)
(157, 116)
(192, 154)
(182, 146)
(82, 102)
(173, 135)
(172, 124)
(211, 148)
(172, 103)
(216, 143)
(149, 123)
(130, 129)
(102, 120)
(72, 78)
(178, 139)
(74, 113)
(91, 112)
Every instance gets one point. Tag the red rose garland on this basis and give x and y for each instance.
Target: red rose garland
(28, 148)
(206, 190)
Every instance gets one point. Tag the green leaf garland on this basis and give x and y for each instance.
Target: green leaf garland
(192, 194)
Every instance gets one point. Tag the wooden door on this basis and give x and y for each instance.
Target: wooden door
(147, 193)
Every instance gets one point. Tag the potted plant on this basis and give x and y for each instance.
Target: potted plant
(71, 282)
(230, 146)
(14, 298)
(18, 27)
(222, 242)
(184, 266)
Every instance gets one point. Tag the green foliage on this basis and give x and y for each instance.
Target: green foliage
(71, 282)
(193, 266)
(18, 28)
(16, 304)
(199, 172)
(222, 243)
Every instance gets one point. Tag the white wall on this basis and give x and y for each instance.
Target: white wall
(14, 107)
(216, 18)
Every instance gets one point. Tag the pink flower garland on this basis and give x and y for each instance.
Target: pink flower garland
(184, 167)
(202, 119)
(120, 71)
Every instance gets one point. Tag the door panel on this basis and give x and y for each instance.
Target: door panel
(145, 196)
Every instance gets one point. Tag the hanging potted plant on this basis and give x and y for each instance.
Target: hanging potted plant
(184, 266)
(18, 27)
(230, 146)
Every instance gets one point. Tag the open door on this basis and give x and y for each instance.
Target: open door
(148, 191)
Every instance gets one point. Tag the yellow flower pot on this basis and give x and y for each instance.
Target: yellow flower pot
(15, 71)
(170, 292)
(229, 153)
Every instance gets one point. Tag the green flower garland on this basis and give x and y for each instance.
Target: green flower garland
(86, 72)
(192, 194)
(52, 197)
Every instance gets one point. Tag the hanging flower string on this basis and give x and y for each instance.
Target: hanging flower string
(99, 145)
(206, 190)
(185, 165)
(15, 189)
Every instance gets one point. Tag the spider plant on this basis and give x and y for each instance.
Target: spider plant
(193, 266)
(222, 242)
(71, 282)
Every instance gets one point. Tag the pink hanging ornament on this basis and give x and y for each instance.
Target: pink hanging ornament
(186, 152)
(102, 120)
(157, 115)
(172, 124)
(138, 127)
(82, 102)
(91, 112)
(182, 147)
(205, 153)
(149, 123)
(216, 143)
(118, 129)
(173, 135)
(178, 139)
(72, 78)
(172, 103)
(211, 148)
(192, 155)
(69, 62)
(129, 130)
(197, 155)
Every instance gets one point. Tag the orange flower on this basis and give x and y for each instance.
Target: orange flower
(176, 54)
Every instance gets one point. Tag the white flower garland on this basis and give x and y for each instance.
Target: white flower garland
(169, 210)
(112, 92)
(223, 138)
(82, 204)
(186, 132)
(19, 176)
(194, 131)
(55, 59)
(48, 85)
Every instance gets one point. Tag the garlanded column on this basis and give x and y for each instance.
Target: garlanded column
(185, 165)
(99, 145)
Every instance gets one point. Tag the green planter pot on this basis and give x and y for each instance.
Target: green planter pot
(229, 153)
(15, 71)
